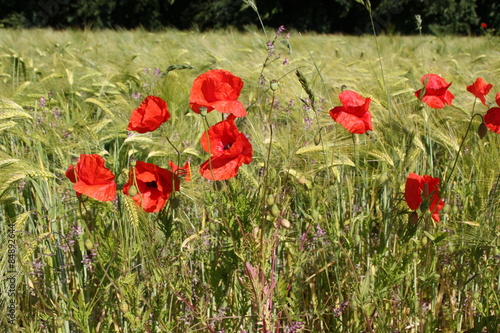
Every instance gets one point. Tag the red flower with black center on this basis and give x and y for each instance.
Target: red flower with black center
(480, 89)
(152, 186)
(92, 178)
(435, 91)
(423, 192)
(152, 112)
(353, 114)
(229, 148)
(217, 89)
(492, 117)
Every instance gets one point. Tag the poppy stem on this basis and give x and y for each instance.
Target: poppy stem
(460, 147)
(176, 150)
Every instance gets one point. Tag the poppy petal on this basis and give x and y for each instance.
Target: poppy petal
(413, 196)
(492, 119)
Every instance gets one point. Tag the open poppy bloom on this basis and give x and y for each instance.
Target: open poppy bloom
(153, 186)
(229, 148)
(184, 171)
(423, 190)
(217, 89)
(92, 178)
(492, 117)
(152, 112)
(435, 91)
(353, 114)
(480, 89)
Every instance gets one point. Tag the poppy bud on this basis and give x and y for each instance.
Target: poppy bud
(275, 211)
(285, 223)
(124, 307)
(454, 209)
(132, 191)
(413, 218)
(317, 138)
(270, 200)
(274, 85)
(424, 241)
(89, 245)
(59, 322)
(447, 208)
(482, 130)
(302, 180)
(203, 111)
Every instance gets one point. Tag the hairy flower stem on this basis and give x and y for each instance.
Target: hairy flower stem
(178, 163)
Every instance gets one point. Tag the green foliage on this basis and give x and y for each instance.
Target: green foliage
(314, 231)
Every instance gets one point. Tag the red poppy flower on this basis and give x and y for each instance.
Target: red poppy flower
(217, 89)
(184, 171)
(153, 186)
(484, 25)
(423, 189)
(492, 117)
(353, 114)
(152, 112)
(92, 178)
(435, 92)
(480, 89)
(229, 148)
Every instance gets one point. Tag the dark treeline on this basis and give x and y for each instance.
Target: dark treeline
(323, 16)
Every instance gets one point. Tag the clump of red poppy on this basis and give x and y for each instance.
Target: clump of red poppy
(480, 89)
(92, 178)
(353, 115)
(152, 112)
(150, 186)
(219, 90)
(229, 148)
(492, 117)
(435, 92)
(423, 192)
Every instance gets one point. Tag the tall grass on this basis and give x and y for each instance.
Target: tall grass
(312, 236)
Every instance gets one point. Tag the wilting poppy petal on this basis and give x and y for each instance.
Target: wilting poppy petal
(217, 89)
(353, 115)
(184, 171)
(152, 112)
(436, 94)
(480, 89)
(154, 186)
(92, 178)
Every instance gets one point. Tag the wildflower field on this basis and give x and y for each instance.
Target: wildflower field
(266, 181)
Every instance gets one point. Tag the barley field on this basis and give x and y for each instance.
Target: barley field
(315, 230)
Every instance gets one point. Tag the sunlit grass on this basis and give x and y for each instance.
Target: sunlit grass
(220, 257)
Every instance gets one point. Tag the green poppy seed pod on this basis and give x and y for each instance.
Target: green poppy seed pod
(124, 307)
(59, 322)
(89, 245)
(275, 211)
(482, 130)
(315, 214)
(270, 200)
(454, 209)
(285, 223)
(413, 218)
(476, 295)
(343, 87)
(133, 161)
(447, 208)
(204, 111)
(74, 161)
(132, 191)
(274, 85)
(424, 241)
